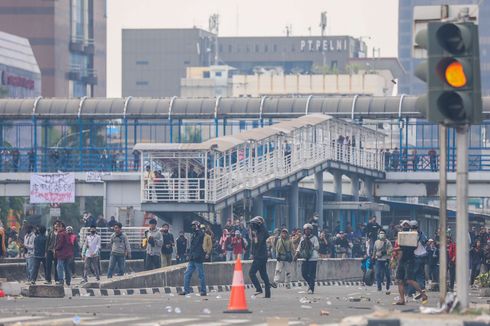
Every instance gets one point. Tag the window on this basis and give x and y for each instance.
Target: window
(256, 48)
(141, 83)
(248, 49)
(274, 48)
(221, 48)
(266, 48)
(219, 74)
(230, 48)
(206, 74)
(187, 62)
(141, 62)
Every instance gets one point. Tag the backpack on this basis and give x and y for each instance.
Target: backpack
(306, 250)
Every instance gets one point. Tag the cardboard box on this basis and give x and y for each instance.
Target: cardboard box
(408, 239)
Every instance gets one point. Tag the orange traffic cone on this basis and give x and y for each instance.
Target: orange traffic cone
(238, 302)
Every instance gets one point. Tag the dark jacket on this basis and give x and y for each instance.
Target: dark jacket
(63, 248)
(259, 245)
(168, 243)
(196, 251)
(181, 246)
(40, 246)
(51, 241)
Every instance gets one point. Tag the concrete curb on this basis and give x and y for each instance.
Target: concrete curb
(88, 292)
(407, 322)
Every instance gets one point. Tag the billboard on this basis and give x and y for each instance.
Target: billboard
(46, 188)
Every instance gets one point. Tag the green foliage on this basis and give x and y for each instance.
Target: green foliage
(483, 280)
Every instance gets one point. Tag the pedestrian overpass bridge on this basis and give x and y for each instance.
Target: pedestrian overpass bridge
(222, 171)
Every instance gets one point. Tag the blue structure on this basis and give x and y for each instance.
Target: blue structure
(91, 134)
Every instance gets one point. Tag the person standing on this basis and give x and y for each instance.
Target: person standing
(372, 229)
(168, 245)
(64, 254)
(181, 248)
(91, 253)
(76, 249)
(207, 244)
(101, 222)
(259, 254)
(476, 260)
(324, 245)
(153, 247)
(28, 247)
(3, 241)
(308, 250)
(285, 253)
(239, 245)
(39, 253)
(382, 253)
(120, 249)
(50, 256)
(112, 222)
(433, 260)
(228, 246)
(196, 259)
(451, 252)
(405, 272)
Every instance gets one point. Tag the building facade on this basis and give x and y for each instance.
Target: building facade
(68, 39)
(20, 76)
(155, 60)
(411, 11)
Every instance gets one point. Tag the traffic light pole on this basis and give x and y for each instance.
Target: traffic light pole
(442, 213)
(462, 243)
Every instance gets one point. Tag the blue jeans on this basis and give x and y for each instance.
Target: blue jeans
(29, 267)
(118, 260)
(191, 267)
(63, 267)
(382, 271)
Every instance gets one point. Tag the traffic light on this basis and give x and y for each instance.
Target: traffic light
(452, 73)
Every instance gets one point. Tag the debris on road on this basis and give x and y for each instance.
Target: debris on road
(324, 313)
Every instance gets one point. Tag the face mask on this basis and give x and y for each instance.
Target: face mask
(93, 232)
(165, 231)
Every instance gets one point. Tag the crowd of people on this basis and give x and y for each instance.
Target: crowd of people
(410, 161)
(382, 255)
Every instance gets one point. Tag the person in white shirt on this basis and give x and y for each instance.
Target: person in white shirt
(29, 250)
(308, 250)
(90, 254)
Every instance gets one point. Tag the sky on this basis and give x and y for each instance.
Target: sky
(377, 19)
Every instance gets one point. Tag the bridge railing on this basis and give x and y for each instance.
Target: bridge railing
(135, 235)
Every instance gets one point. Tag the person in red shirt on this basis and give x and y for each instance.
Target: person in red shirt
(64, 253)
(239, 244)
(451, 251)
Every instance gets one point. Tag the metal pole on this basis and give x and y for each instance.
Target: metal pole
(462, 243)
(442, 213)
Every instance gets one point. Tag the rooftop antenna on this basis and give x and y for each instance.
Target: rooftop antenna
(214, 28)
(323, 27)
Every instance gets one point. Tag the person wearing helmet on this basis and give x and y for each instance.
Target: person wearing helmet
(308, 251)
(259, 255)
(405, 272)
(196, 259)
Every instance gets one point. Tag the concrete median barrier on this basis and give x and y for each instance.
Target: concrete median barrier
(17, 271)
(221, 273)
(44, 291)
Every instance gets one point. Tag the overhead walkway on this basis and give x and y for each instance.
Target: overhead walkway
(221, 171)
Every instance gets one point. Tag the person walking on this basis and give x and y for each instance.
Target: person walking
(308, 251)
(285, 253)
(120, 249)
(64, 254)
(181, 248)
(153, 247)
(420, 257)
(91, 253)
(259, 254)
(50, 256)
(196, 259)
(28, 247)
(405, 272)
(167, 246)
(451, 252)
(228, 246)
(381, 254)
(39, 253)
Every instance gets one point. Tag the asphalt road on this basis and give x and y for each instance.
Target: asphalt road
(145, 310)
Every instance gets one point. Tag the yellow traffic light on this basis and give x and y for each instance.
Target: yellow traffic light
(455, 75)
